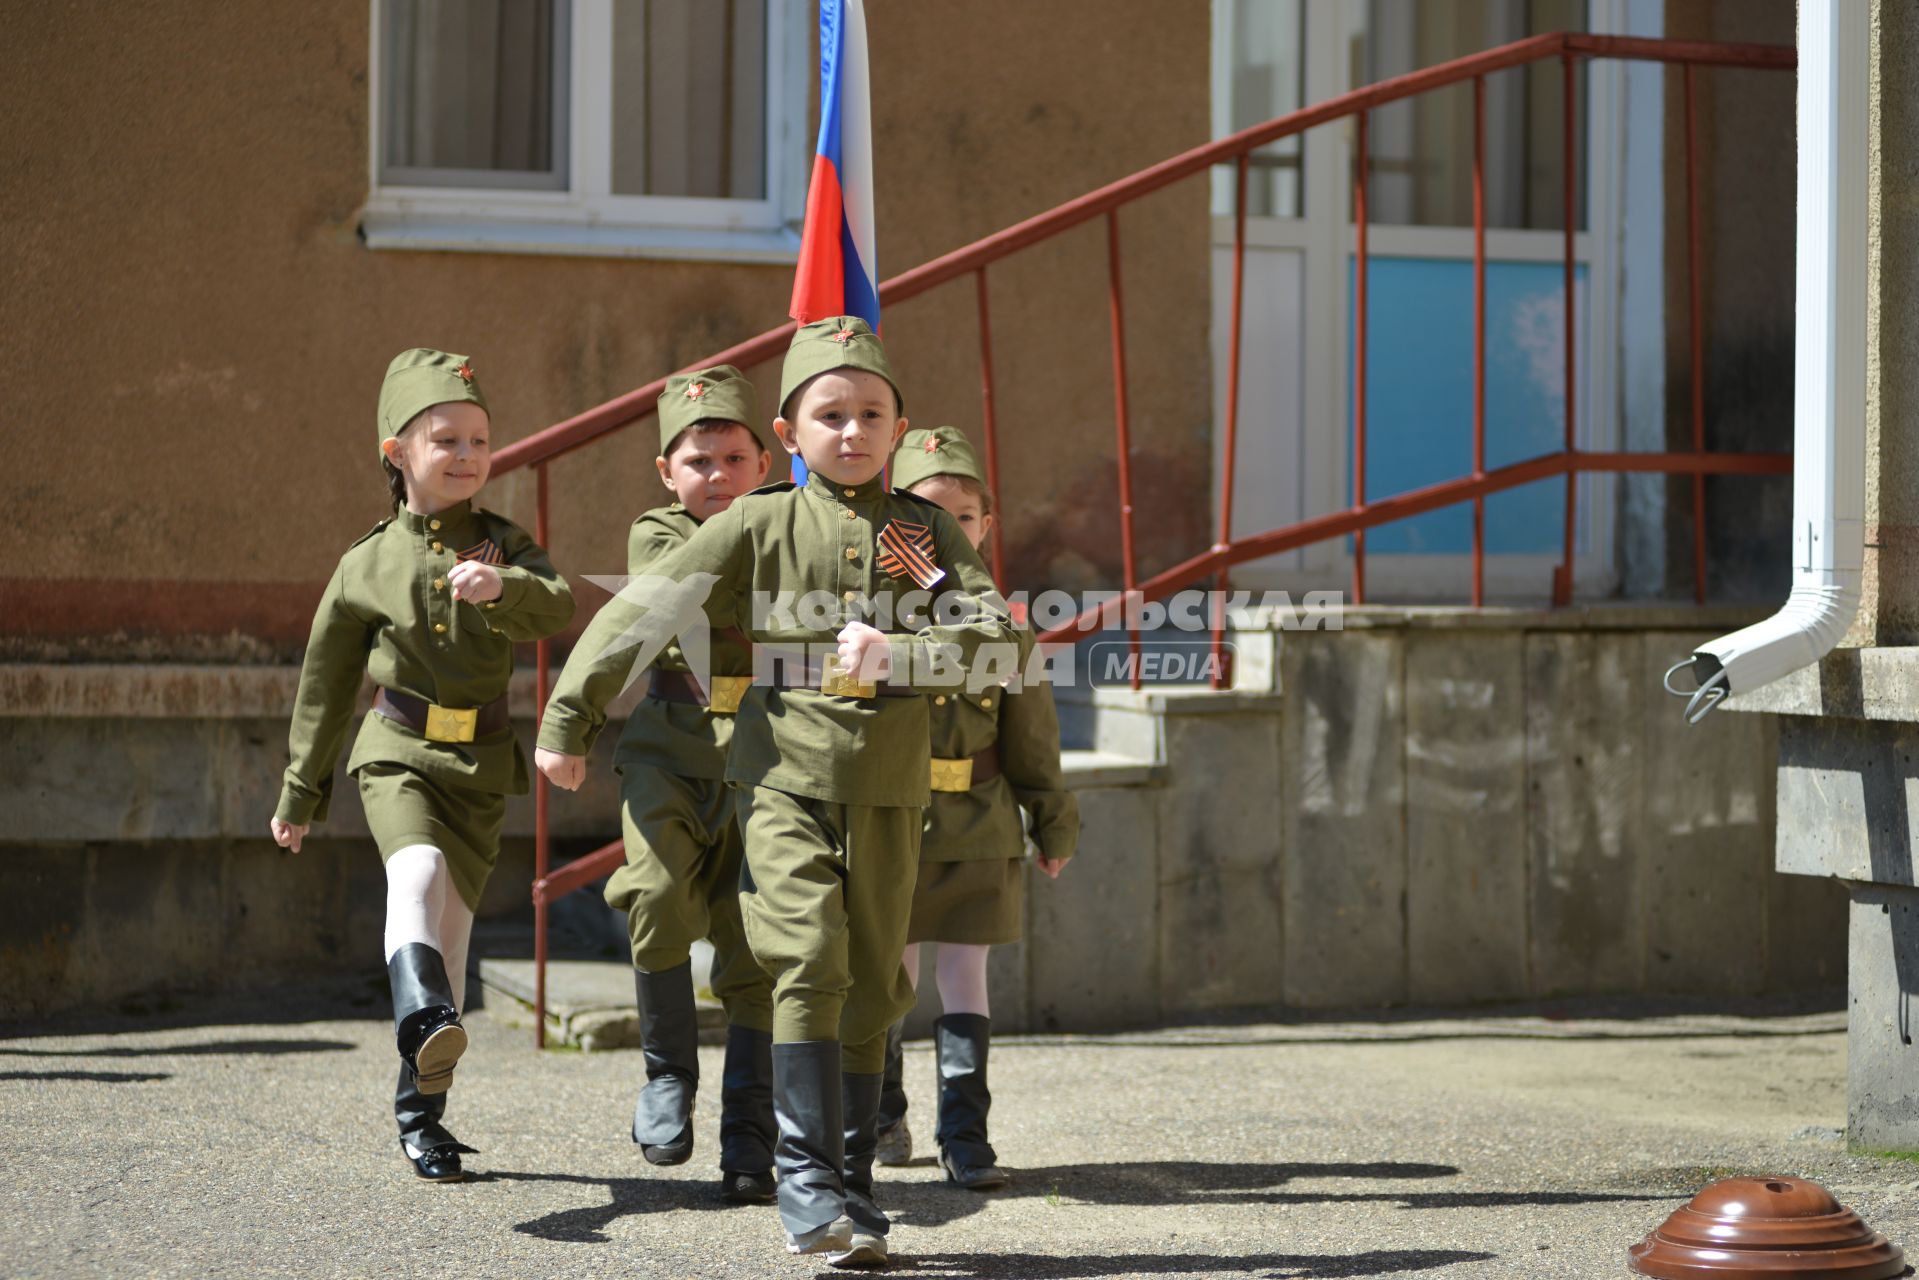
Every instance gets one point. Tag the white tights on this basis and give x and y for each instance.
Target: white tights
(423, 906)
(960, 970)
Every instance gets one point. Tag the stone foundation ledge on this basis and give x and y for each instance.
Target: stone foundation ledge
(1852, 684)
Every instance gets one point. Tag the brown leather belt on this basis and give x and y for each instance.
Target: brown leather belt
(441, 724)
(966, 772)
(794, 671)
(682, 688)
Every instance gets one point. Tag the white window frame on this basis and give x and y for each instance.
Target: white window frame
(587, 218)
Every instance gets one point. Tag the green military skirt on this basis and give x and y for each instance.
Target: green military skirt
(404, 807)
(976, 901)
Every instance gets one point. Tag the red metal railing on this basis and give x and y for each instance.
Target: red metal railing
(542, 448)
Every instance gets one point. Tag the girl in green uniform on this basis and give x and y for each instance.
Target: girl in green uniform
(430, 604)
(995, 752)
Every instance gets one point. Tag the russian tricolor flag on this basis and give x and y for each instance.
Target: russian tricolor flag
(838, 273)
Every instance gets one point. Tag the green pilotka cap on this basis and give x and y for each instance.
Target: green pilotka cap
(837, 342)
(419, 379)
(720, 393)
(943, 451)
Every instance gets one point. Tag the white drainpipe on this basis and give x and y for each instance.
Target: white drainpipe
(1829, 370)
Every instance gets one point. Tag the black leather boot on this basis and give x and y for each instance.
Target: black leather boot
(419, 1116)
(861, 1101)
(895, 1145)
(670, 1043)
(811, 1150)
(747, 1131)
(426, 1025)
(965, 1154)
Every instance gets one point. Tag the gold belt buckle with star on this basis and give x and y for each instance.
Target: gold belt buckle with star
(836, 682)
(451, 724)
(953, 775)
(727, 694)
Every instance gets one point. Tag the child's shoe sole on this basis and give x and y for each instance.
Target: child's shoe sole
(835, 1237)
(436, 1057)
(865, 1251)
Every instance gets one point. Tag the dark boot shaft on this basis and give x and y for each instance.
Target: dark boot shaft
(964, 1100)
(861, 1094)
(422, 996)
(670, 1046)
(747, 1129)
(811, 1151)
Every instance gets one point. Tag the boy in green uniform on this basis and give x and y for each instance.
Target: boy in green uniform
(830, 748)
(995, 752)
(430, 604)
(681, 881)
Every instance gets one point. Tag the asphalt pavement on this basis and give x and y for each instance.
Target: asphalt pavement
(252, 1138)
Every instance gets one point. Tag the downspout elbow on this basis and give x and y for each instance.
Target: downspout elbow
(1806, 628)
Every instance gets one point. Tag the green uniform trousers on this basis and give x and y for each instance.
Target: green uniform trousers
(828, 893)
(681, 883)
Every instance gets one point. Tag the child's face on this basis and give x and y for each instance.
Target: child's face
(961, 503)
(711, 466)
(845, 424)
(443, 454)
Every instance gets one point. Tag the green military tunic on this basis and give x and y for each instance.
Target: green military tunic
(388, 613)
(822, 774)
(974, 841)
(683, 851)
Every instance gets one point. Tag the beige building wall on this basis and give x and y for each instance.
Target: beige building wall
(196, 334)
(1889, 607)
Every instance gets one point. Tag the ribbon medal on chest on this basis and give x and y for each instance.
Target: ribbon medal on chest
(906, 551)
(486, 551)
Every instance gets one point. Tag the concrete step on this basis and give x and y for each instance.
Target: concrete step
(590, 1002)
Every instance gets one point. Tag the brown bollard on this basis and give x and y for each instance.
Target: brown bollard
(1759, 1228)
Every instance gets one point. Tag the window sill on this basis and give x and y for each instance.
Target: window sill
(388, 230)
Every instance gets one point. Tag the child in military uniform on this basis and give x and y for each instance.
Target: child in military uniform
(430, 604)
(830, 747)
(995, 752)
(681, 881)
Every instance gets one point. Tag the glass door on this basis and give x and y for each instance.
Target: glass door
(1296, 422)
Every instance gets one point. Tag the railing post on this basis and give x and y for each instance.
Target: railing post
(1479, 337)
(1118, 308)
(1563, 586)
(989, 430)
(1359, 361)
(1224, 582)
(1697, 344)
(542, 651)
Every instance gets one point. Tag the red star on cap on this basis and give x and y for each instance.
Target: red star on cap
(844, 336)
(932, 444)
(465, 371)
(695, 390)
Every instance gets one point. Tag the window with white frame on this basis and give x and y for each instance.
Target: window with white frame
(637, 127)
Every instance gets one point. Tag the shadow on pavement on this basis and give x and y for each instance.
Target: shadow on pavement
(218, 1048)
(587, 1225)
(354, 997)
(1173, 1182)
(1619, 1018)
(98, 1077)
(1308, 1266)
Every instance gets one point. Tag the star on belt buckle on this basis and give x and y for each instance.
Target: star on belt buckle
(837, 683)
(451, 724)
(728, 691)
(953, 775)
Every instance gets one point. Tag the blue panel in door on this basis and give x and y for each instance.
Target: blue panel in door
(1419, 397)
